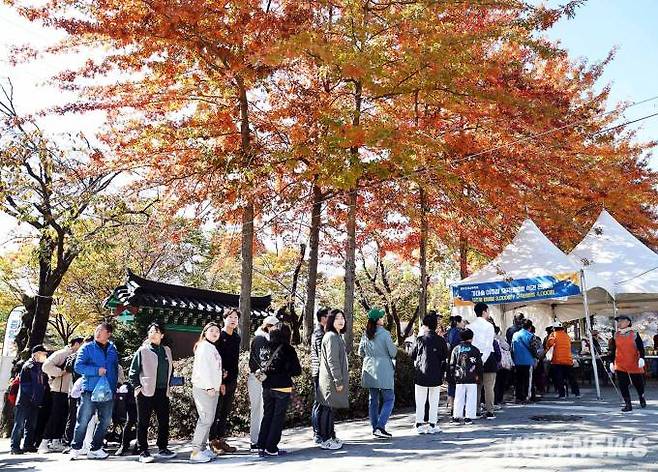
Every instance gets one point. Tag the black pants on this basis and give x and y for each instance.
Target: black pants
(500, 387)
(522, 377)
(145, 407)
(275, 405)
(625, 380)
(565, 373)
(70, 420)
(56, 425)
(326, 422)
(224, 407)
(128, 432)
(315, 410)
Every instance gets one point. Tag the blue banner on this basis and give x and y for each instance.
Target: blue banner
(518, 290)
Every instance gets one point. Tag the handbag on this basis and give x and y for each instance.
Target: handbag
(260, 372)
(549, 354)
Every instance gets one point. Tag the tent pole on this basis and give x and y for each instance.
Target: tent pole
(589, 335)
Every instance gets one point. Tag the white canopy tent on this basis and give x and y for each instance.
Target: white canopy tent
(532, 275)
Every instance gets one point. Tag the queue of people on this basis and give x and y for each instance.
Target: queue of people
(477, 361)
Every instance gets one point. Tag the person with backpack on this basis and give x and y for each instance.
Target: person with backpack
(98, 363)
(378, 372)
(316, 347)
(627, 353)
(562, 360)
(333, 379)
(255, 386)
(60, 382)
(429, 355)
(150, 373)
(505, 367)
(206, 386)
(280, 364)
(31, 392)
(466, 369)
(523, 361)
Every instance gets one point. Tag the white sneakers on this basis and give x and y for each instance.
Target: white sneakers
(331, 444)
(97, 454)
(427, 429)
(200, 456)
(421, 429)
(76, 453)
(433, 429)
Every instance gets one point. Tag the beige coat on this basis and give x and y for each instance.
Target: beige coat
(58, 379)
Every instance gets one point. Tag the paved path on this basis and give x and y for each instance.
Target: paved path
(601, 439)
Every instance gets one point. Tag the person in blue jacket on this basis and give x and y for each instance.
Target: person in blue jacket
(523, 360)
(96, 359)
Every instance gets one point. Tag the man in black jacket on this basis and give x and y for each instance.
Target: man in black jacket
(316, 345)
(429, 354)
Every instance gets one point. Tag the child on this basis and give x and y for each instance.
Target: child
(466, 370)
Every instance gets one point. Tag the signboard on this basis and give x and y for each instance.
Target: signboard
(14, 323)
(518, 290)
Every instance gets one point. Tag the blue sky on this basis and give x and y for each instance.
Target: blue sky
(631, 26)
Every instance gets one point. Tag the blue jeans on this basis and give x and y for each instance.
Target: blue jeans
(86, 411)
(25, 421)
(379, 418)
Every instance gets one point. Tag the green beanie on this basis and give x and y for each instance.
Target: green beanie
(375, 313)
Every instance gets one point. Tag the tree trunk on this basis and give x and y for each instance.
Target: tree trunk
(311, 283)
(296, 321)
(423, 255)
(247, 251)
(463, 256)
(350, 269)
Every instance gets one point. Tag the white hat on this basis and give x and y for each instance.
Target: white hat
(556, 324)
(271, 320)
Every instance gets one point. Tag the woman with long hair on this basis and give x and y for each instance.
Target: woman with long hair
(280, 363)
(206, 383)
(378, 373)
(333, 379)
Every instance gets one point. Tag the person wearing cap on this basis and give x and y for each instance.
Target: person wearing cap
(254, 386)
(60, 382)
(627, 352)
(562, 360)
(378, 372)
(316, 348)
(150, 374)
(31, 394)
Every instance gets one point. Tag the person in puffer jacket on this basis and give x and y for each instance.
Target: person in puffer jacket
(466, 369)
(429, 354)
(31, 393)
(95, 360)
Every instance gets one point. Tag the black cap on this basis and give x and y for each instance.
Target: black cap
(622, 317)
(38, 348)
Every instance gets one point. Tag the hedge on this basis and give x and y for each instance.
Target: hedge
(183, 412)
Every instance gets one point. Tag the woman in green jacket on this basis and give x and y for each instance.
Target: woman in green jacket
(378, 374)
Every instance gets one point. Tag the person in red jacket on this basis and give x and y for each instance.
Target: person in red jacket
(627, 352)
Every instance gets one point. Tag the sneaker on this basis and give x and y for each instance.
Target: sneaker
(455, 421)
(199, 457)
(121, 452)
(331, 445)
(382, 433)
(16, 452)
(468, 421)
(75, 454)
(166, 454)
(221, 444)
(317, 439)
(421, 429)
(56, 446)
(489, 415)
(44, 447)
(279, 452)
(210, 453)
(433, 429)
(627, 407)
(97, 454)
(145, 458)
(253, 448)
(30, 449)
(643, 402)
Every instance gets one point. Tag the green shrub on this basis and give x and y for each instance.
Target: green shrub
(184, 414)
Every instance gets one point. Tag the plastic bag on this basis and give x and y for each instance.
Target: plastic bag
(102, 391)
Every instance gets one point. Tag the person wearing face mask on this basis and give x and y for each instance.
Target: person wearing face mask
(627, 352)
(31, 393)
(150, 372)
(206, 385)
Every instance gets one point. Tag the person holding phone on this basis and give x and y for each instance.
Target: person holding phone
(206, 384)
(150, 374)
